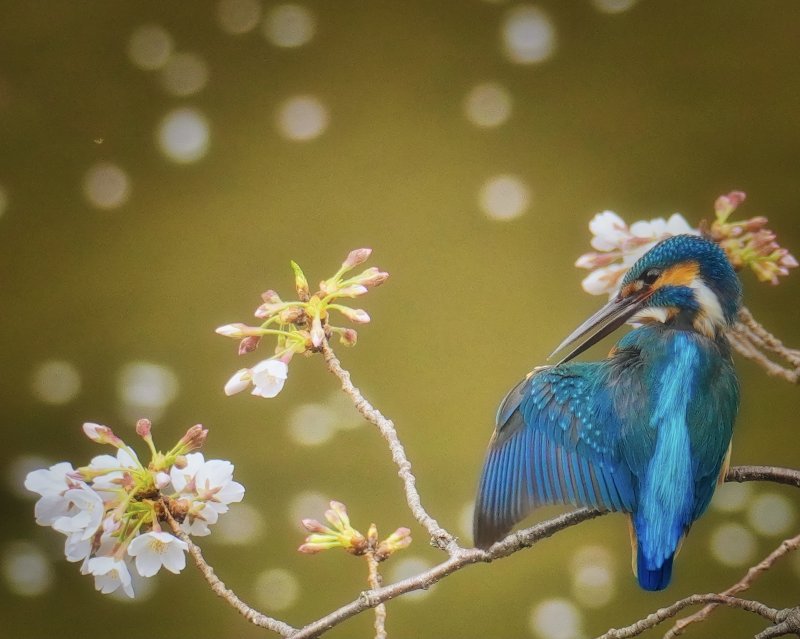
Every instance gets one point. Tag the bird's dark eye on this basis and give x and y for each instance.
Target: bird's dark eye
(650, 275)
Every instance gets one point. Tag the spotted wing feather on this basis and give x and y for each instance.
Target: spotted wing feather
(555, 443)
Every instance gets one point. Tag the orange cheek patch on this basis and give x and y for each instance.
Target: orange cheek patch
(679, 275)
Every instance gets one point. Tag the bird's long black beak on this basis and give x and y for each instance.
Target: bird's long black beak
(602, 323)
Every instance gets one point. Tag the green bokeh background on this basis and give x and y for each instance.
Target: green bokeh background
(656, 109)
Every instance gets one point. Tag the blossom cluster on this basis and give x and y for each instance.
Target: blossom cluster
(300, 325)
(749, 243)
(341, 534)
(112, 511)
(617, 245)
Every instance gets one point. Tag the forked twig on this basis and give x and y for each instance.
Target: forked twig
(753, 573)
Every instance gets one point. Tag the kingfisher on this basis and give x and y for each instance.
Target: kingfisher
(646, 431)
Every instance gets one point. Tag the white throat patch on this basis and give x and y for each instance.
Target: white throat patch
(709, 320)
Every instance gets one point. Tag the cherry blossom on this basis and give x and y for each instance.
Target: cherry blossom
(155, 549)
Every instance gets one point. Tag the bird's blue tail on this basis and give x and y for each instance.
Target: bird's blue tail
(657, 579)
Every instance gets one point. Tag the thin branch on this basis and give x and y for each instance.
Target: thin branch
(768, 340)
(776, 474)
(375, 582)
(514, 542)
(218, 587)
(440, 537)
(663, 614)
(750, 339)
(753, 573)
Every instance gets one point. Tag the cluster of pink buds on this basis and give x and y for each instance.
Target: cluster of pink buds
(341, 534)
(301, 325)
(749, 243)
(113, 512)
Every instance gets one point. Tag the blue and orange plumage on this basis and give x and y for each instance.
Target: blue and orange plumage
(647, 430)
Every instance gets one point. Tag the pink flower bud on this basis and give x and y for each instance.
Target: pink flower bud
(371, 277)
(348, 337)
(143, 428)
(162, 480)
(788, 260)
(727, 204)
(249, 344)
(238, 331)
(356, 257)
(270, 297)
(102, 434)
(399, 539)
(194, 439)
(317, 332)
(358, 315)
(312, 525)
(351, 291)
(337, 515)
(310, 549)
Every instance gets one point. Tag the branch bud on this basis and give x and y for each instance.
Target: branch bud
(249, 344)
(194, 439)
(356, 257)
(102, 434)
(143, 428)
(300, 282)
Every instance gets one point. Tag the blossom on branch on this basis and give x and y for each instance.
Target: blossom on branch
(112, 510)
(749, 243)
(267, 378)
(617, 246)
(341, 534)
(301, 326)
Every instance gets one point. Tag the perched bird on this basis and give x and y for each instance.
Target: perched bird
(646, 431)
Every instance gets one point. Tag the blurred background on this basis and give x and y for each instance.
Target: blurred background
(163, 161)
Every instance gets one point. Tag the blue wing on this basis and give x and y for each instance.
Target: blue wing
(556, 442)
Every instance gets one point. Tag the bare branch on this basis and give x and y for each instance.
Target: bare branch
(663, 614)
(776, 474)
(375, 582)
(514, 542)
(219, 588)
(788, 624)
(441, 537)
(753, 573)
(749, 339)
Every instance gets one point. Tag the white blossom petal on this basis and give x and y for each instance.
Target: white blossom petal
(109, 574)
(603, 280)
(49, 482)
(182, 476)
(155, 549)
(609, 230)
(84, 515)
(269, 376)
(200, 516)
(238, 382)
(677, 225)
(76, 548)
(643, 230)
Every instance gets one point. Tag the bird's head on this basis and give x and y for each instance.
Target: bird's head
(685, 280)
